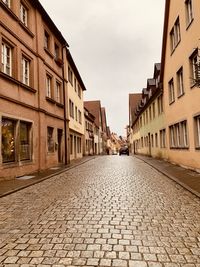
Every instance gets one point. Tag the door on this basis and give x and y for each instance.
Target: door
(59, 134)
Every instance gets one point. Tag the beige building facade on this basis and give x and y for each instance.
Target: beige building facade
(147, 129)
(181, 76)
(75, 114)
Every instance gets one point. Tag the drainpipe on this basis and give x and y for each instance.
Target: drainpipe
(64, 102)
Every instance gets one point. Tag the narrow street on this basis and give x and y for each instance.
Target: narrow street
(110, 211)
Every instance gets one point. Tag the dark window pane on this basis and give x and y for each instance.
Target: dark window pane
(25, 141)
(8, 140)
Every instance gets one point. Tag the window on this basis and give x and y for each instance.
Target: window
(79, 91)
(16, 140)
(56, 51)
(71, 108)
(70, 76)
(76, 114)
(50, 139)
(160, 104)
(178, 135)
(49, 86)
(183, 126)
(79, 145)
(194, 67)
(150, 115)
(197, 131)
(6, 59)
(171, 91)
(25, 71)
(175, 35)
(79, 117)
(25, 145)
(152, 141)
(156, 139)
(163, 138)
(180, 86)
(154, 110)
(24, 15)
(189, 12)
(7, 2)
(58, 92)
(46, 40)
(8, 146)
(75, 85)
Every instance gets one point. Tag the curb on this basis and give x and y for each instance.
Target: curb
(194, 192)
(45, 178)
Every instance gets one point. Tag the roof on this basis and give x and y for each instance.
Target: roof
(134, 99)
(75, 70)
(94, 107)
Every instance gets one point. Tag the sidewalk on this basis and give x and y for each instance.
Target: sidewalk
(11, 186)
(188, 179)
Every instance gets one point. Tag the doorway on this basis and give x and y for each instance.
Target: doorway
(59, 135)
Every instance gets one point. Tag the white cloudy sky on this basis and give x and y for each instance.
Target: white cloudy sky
(115, 44)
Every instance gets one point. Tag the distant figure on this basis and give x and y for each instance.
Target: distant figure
(107, 151)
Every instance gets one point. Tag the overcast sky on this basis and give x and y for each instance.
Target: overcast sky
(115, 44)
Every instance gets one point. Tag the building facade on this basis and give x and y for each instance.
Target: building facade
(148, 133)
(89, 140)
(32, 95)
(181, 76)
(75, 114)
(94, 107)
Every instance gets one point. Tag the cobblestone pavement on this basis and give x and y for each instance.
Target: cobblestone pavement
(111, 211)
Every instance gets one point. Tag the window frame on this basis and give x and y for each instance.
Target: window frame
(180, 82)
(4, 58)
(171, 91)
(189, 12)
(24, 16)
(25, 77)
(49, 88)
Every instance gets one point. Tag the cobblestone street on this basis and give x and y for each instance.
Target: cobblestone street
(110, 211)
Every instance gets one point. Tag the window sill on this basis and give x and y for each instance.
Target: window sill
(48, 52)
(59, 105)
(179, 96)
(17, 163)
(189, 24)
(50, 100)
(179, 148)
(172, 52)
(172, 102)
(9, 10)
(27, 87)
(26, 29)
(59, 62)
(193, 85)
(6, 76)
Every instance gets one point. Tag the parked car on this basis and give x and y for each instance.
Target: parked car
(124, 150)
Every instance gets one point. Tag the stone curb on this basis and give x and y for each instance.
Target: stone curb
(45, 178)
(171, 177)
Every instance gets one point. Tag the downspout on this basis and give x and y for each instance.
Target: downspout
(64, 102)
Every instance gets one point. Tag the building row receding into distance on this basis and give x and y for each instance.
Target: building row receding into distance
(44, 120)
(164, 119)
